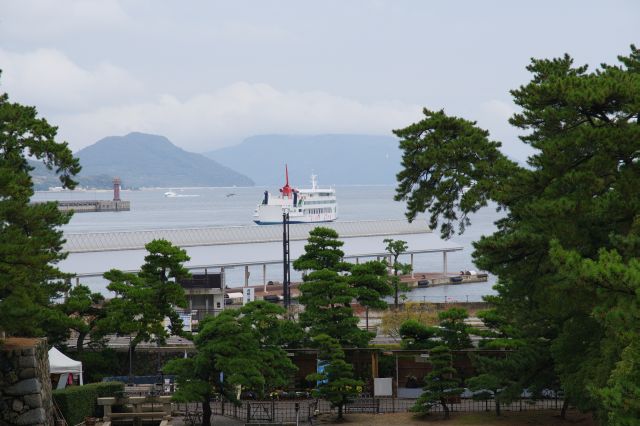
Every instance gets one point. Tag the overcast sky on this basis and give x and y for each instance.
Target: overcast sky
(207, 74)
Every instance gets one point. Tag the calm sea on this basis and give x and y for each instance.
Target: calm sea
(201, 207)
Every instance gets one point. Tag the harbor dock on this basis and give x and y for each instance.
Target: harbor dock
(96, 206)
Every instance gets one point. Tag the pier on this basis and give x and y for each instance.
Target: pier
(248, 247)
(96, 206)
(92, 206)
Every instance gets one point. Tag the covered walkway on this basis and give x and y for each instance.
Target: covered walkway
(222, 248)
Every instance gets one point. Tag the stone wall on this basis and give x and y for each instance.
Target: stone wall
(25, 385)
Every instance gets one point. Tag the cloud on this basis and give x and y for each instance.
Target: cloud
(37, 20)
(50, 80)
(224, 117)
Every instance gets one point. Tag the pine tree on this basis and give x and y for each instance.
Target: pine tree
(564, 253)
(336, 382)
(441, 384)
(227, 355)
(327, 296)
(326, 292)
(143, 300)
(85, 310)
(453, 331)
(322, 251)
(396, 248)
(30, 235)
(271, 332)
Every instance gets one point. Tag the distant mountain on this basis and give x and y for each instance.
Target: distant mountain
(336, 159)
(44, 178)
(141, 159)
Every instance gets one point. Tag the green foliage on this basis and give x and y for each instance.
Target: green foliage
(441, 384)
(448, 166)
(369, 279)
(566, 252)
(85, 311)
(395, 248)
(30, 235)
(337, 384)
(78, 402)
(99, 364)
(236, 347)
(453, 331)
(145, 299)
(416, 335)
(622, 393)
(326, 296)
(490, 387)
(272, 333)
(322, 251)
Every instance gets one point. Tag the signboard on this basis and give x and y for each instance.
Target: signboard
(186, 321)
(320, 366)
(383, 386)
(249, 294)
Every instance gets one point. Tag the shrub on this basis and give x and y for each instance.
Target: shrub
(78, 402)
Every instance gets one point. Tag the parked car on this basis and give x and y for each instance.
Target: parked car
(455, 279)
(273, 298)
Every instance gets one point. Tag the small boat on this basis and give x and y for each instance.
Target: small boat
(231, 194)
(303, 205)
(171, 194)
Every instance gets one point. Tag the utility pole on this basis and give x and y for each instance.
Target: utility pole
(286, 260)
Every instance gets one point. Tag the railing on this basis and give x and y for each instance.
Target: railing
(306, 410)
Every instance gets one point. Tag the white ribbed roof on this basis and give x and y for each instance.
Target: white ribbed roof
(192, 237)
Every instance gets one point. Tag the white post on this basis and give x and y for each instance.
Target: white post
(412, 276)
(264, 277)
(444, 263)
(246, 275)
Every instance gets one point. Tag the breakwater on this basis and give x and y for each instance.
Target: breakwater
(82, 206)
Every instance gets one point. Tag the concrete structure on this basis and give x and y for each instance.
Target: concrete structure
(116, 189)
(246, 246)
(93, 206)
(204, 297)
(25, 386)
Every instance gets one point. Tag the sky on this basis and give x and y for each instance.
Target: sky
(208, 74)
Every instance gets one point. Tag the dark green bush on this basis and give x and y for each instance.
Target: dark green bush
(78, 402)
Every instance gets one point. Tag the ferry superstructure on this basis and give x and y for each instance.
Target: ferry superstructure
(303, 205)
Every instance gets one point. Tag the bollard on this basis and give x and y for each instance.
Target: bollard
(297, 406)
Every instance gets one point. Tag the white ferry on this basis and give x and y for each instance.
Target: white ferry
(304, 205)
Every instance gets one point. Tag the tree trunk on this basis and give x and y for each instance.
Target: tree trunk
(497, 406)
(339, 411)
(80, 341)
(396, 285)
(444, 407)
(206, 411)
(565, 406)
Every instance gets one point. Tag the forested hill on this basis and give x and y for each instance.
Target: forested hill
(144, 160)
(336, 159)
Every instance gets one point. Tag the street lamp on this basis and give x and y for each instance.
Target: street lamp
(286, 259)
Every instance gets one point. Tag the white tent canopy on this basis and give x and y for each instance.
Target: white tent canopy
(61, 364)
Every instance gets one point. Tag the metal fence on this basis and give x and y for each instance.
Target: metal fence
(305, 411)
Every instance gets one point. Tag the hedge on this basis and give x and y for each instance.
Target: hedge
(78, 402)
